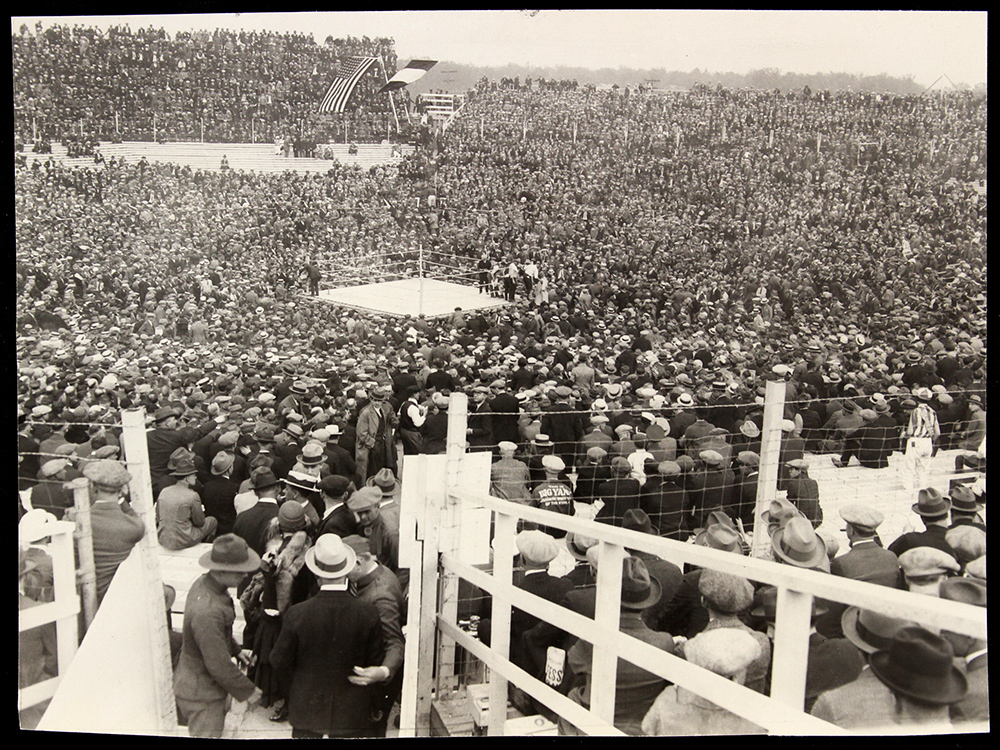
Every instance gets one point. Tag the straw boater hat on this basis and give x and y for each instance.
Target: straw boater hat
(329, 557)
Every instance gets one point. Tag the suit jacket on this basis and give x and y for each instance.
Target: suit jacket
(180, 518)
(340, 522)
(803, 493)
(619, 495)
(666, 503)
(866, 561)
(381, 589)
(252, 524)
(217, 498)
(975, 706)
(678, 711)
(588, 478)
(115, 532)
(933, 536)
(864, 703)
(206, 671)
(161, 442)
(505, 410)
(708, 490)
(320, 643)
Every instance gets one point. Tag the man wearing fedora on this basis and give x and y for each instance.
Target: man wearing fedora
(219, 492)
(934, 510)
(919, 670)
(965, 508)
(167, 436)
(206, 678)
(865, 702)
(372, 582)
(326, 645)
(973, 654)
(636, 689)
(251, 525)
(375, 445)
(336, 518)
(180, 518)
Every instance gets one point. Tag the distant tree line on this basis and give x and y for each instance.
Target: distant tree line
(464, 77)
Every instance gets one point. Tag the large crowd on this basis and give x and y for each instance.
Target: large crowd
(664, 257)
(213, 86)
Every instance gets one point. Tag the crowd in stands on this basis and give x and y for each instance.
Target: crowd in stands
(665, 256)
(199, 85)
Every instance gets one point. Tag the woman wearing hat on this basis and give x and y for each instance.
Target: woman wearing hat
(284, 581)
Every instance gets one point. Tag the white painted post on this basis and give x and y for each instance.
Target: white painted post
(141, 500)
(203, 128)
(608, 613)
(791, 647)
(767, 484)
(416, 470)
(87, 574)
(116, 124)
(503, 571)
(426, 624)
(154, 127)
(449, 539)
(63, 589)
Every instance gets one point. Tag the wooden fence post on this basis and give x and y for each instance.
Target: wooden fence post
(141, 500)
(503, 572)
(767, 484)
(87, 575)
(791, 647)
(449, 522)
(607, 614)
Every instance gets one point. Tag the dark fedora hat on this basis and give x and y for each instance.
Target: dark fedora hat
(919, 665)
(640, 590)
(963, 500)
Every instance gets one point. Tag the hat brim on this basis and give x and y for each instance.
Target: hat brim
(571, 548)
(817, 557)
(350, 561)
(920, 512)
(251, 565)
(387, 490)
(938, 691)
(655, 592)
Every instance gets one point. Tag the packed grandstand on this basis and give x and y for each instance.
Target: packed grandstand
(663, 256)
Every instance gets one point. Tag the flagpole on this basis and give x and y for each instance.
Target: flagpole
(385, 74)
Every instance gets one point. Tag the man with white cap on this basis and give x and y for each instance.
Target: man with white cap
(509, 477)
(925, 568)
(326, 645)
(552, 493)
(866, 560)
(51, 493)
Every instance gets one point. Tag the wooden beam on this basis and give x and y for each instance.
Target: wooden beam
(791, 647)
(928, 610)
(573, 712)
(770, 448)
(503, 572)
(604, 678)
(757, 708)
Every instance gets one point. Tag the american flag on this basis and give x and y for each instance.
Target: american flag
(343, 85)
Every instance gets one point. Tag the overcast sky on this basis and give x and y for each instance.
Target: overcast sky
(924, 45)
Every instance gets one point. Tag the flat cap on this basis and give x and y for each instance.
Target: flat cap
(797, 463)
(537, 547)
(969, 542)
(724, 592)
(553, 463)
(507, 445)
(334, 485)
(724, 651)
(365, 499)
(926, 561)
(53, 467)
(106, 473)
(669, 468)
(621, 463)
(710, 457)
(596, 453)
(748, 458)
(862, 517)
